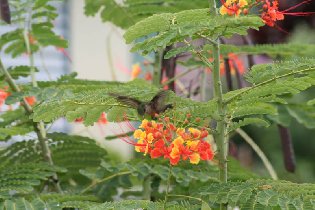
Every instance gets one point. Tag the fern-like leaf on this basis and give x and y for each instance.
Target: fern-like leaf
(284, 50)
(176, 27)
(256, 194)
(127, 13)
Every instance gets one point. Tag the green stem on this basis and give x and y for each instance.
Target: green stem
(168, 186)
(38, 127)
(26, 34)
(221, 138)
(177, 77)
(259, 152)
(109, 57)
(146, 193)
(157, 69)
(213, 6)
(104, 180)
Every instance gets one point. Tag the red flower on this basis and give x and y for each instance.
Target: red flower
(102, 119)
(272, 14)
(3, 96)
(205, 151)
(31, 100)
(79, 120)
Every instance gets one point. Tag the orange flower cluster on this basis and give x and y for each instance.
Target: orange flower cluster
(165, 140)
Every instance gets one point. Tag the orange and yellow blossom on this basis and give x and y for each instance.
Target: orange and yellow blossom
(164, 139)
(136, 70)
(232, 7)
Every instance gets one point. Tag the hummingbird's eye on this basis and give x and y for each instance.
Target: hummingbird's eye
(141, 110)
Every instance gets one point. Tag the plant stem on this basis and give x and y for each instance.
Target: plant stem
(213, 6)
(222, 136)
(26, 35)
(221, 139)
(109, 56)
(38, 127)
(168, 185)
(157, 69)
(146, 193)
(103, 180)
(259, 152)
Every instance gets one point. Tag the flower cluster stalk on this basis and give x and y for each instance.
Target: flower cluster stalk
(146, 192)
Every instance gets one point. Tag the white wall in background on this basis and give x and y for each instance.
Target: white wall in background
(92, 44)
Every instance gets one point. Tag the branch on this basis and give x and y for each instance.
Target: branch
(39, 127)
(259, 152)
(103, 180)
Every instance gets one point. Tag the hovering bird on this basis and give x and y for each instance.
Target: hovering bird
(5, 11)
(151, 108)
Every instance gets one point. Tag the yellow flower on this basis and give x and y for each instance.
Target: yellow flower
(223, 10)
(180, 131)
(232, 7)
(144, 124)
(195, 132)
(242, 3)
(192, 145)
(150, 138)
(139, 134)
(178, 141)
(137, 148)
(194, 158)
(174, 153)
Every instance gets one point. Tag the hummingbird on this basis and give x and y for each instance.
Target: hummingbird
(151, 108)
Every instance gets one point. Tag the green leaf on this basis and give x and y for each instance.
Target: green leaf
(311, 102)
(260, 194)
(127, 13)
(15, 130)
(304, 114)
(18, 71)
(176, 51)
(21, 178)
(176, 27)
(284, 50)
(247, 121)
(87, 100)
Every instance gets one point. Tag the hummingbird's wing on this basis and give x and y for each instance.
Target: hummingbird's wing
(5, 11)
(133, 103)
(158, 101)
